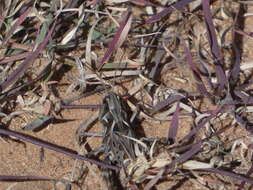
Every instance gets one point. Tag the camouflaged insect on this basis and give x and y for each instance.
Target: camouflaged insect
(117, 146)
(120, 145)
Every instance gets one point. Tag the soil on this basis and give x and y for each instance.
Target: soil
(18, 158)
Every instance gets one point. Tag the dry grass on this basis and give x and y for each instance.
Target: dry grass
(183, 67)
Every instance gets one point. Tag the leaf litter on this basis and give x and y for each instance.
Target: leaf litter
(172, 66)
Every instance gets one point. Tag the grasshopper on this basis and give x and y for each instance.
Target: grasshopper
(113, 114)
(117, 146)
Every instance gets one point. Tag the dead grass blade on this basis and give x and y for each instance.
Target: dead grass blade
(153, 181)
(38, 123)
(1, 20)
(174, 125)
(178, 5)
(70, 34)
(230, 174)
(250, 171)
(15, 57)
(118, 39)
(200, 84)
(17, 90)
(188, 154)
(215, 50)
(53, 147)
(145, 3)
(168, 101)
(243, 123)
(24, 178)
(246, 98)
(235, 72)
(195, 148)
(193, 164)
(241, 32)
(81, 106)
(14, 76)
(110, 74)
(20, 20)
(203, 123)
(88, 45)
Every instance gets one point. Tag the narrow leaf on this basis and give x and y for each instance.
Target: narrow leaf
(200, 84)
(14, 76)
(152, 182)
(243, 123)
(81, 106)
(38, 123)
(178, 5)
(23, 178)
(203, 123)
(185, 156)
(230, 174)
(118, 39)
(145, 3)
(247, 99)
(250, 171)
(174, 124)
(88, 45)
(53, 147)
(189, 154)
(15, 57)
(168, 101)
(20, 20)
(215, 50)
(235, 72)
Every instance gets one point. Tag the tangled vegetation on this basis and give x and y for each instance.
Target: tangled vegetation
(182, 63)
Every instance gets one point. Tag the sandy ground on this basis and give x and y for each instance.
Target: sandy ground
(25, 159)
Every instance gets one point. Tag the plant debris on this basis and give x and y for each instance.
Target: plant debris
(169, 81)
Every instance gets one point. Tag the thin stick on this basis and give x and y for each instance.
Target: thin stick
(56, 148)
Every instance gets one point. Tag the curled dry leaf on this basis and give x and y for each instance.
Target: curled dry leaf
(193, 164)
(137, 169)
